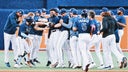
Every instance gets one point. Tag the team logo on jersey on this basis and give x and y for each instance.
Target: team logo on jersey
(84, 23)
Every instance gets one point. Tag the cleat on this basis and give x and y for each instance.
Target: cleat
(7, 64)
(17, 66)
(35, 60)
(123, 63)
(92, 65)
(32, 62)
(107, 68)
(101, 66)
(86, 68)
(48, 63)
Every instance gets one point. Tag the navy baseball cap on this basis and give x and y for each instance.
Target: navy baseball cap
(71, 10)
(121, 9)
(43, 10)
(29, 19)
(84, 11)
(63, 11)
(104, 9)
(75, 12)
(55, 9)
(20, 11)
(38, 11)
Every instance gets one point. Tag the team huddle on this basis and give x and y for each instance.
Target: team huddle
(67, 32)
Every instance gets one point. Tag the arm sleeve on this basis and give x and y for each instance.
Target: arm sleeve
(123, 20)
(68, 25)
(24, 35)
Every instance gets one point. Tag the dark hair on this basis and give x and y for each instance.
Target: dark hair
(92, 14)
(84, 13)
(105, 14)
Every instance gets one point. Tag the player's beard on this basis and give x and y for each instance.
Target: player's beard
(119, 13)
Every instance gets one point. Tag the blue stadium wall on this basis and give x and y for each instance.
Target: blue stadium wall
(7, 6)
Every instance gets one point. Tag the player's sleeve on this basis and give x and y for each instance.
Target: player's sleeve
(23, 30)
(13, 21)
(123, 20)
(69, 25)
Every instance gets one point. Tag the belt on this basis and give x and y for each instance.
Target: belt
(54, 30)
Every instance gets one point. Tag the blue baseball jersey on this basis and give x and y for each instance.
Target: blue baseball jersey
(24, 30)
(66, 21)
(11, 24)
(36, 18)
(82, 25)
(70, 26)
(33, 31)
(54, 20)
(120, 19)
(97, 25)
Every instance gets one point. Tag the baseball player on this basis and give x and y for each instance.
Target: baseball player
(108, 42)
(122, 23)
(26, 40)
(9, 35)
(84, 29)
(96, 40)
(53, 36)
(36, 39)
(74, 40)
(39, 33)
(62, 38)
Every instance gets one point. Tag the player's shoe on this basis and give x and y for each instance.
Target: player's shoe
(54, 65)
(60, 66)
(123, 63)
(92, 65)
(75, 66)
(48, 63)
(32, 62)
(17, 66)
(7, 64)
(35, 60)
(69, 64)
(107, 68)
(101, 66)
(87, 68)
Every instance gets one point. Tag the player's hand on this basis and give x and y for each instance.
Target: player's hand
(61, 21)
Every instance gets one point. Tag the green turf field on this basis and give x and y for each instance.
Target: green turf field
(43, 59)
